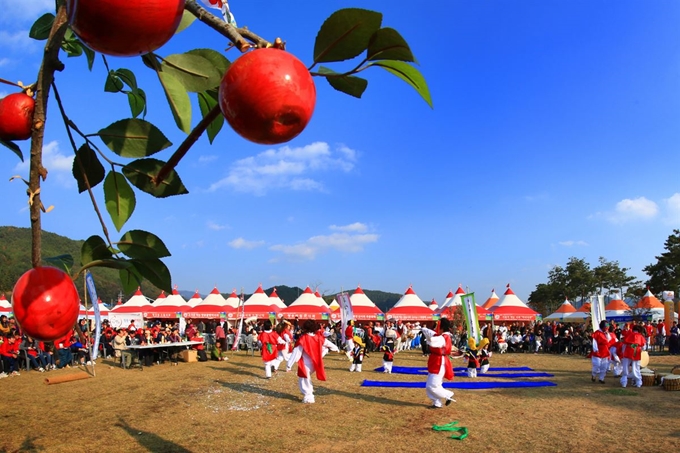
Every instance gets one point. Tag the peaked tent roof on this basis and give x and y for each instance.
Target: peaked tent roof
(455, 300)
(5, 306)
(511, 308)
(195, 299)
(274, 299)
(410, 308)
(214, 306)
(434, 305)
(447, 298)
(363, 308)
(616, 305)
(321, 299)
(307, 306)
(259, 305)
(649, 301)
(233, 300)
(563, 312)
(492, 300)
(167, 306)
(103, 309)
(135, 304)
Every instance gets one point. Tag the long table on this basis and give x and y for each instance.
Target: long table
(139, 347)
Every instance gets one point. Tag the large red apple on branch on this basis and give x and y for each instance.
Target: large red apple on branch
(45, 303)
(267, 96)
(124, 28)
(16, 116)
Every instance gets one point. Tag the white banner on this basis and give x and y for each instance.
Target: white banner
(92, 291)
(470, 311)
(345, 311)
(597, 311)
(122, 320)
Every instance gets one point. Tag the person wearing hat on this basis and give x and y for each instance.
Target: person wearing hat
(439, 364)
(484, 355)
(308, 353)
(600, 354)
(357, 355)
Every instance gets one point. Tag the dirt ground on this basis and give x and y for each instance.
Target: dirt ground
(229, 406)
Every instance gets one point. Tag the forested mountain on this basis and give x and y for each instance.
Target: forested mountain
(15, 259)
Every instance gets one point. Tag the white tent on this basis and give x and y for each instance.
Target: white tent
(564, 313)
(195, 299)
(135, 304)
(455, 301)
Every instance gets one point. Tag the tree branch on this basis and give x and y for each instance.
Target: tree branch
(50, 64)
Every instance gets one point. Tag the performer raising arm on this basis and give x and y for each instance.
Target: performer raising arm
(308, 353)
(439, 364)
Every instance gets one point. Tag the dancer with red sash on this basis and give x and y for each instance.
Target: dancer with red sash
(633, 345)
(439, 364)
(269, 342)
(308, 353)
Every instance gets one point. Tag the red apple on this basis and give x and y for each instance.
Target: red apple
(45, 303)
(16, 116)
(124, 28)
(267, 96)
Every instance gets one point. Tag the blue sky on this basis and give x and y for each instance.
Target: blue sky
(554, 134)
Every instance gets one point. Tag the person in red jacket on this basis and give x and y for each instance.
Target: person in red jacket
(9, 351)
(633, 345)
(308, 353)
(439, 364)
(63, 347)
(269, 341)
(349, 338)
(600, 354)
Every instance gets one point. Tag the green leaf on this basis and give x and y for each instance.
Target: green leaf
(63, 262)
(128, 77)
(207, 101)
(155, 272)
(142, 245)
(94, 170)
(130, 278)
(218, 60)
(140, 173)
(409, 74)
(113, 263)
(387, 44)
(345, 34)
(150, 61)
(13, 147)
(352, 85)
(187, 19)
(89, 53)
(179, 101)
(40, 30)
(133, 138)
(94, 249)
(137, 101)
(194, 72)
(119, 197)
(113, 83)
(71, 45)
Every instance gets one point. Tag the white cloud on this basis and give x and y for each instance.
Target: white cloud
(357, 227)
(287, 168)
(57, 164)
(13, 12)
(672, 206)
(240, 243)
(207, 159)
(215, 226)
(4, 62)
(573, 243)
(19, 42)
(345, 241)
(630, 210)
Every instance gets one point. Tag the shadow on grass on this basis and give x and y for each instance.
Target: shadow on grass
(26, 446)
(321, 391)
(150, 441)
(257, 390)
(239, 372)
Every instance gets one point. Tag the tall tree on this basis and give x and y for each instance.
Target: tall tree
(665, 273)
(609, 276)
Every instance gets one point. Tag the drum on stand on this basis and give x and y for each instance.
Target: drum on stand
(671, 382)
(648, 379)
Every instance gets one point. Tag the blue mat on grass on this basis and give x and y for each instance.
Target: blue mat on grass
(423, 369)
(463, 385)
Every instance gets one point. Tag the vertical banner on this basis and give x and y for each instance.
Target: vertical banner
(668, 305)
(596, 315)
(92, 291)
(470, 311)
(345, 311)
(240, 313)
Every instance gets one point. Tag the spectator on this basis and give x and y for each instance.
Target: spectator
(9, 351)
(30, 348)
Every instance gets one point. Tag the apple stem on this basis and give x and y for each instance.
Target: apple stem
(235, 35)
(187, 144)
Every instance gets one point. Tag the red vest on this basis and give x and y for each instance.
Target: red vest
(434, 362)
(269, 345)
(602, 344)
(312, 345)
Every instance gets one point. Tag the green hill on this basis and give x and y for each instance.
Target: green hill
(15, 259)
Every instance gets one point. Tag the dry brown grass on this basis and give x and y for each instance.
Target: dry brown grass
(229, 406)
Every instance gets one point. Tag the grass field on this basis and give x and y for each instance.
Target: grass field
(229, 406)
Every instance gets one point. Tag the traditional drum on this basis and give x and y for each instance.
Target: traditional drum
(646, 370)
(644, 359)
(671, 382)
(658, 378)
(648, 379)
(676, 370)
